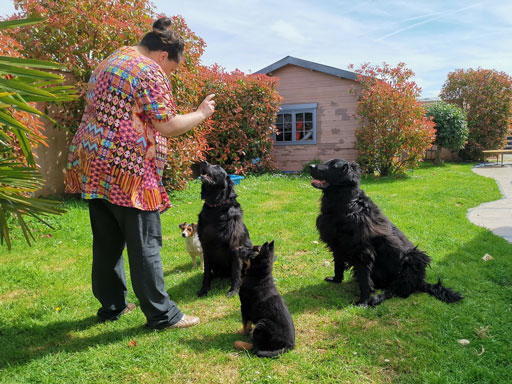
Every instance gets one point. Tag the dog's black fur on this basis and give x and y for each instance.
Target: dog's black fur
(263, 306)
(220, 228)
(362, 237)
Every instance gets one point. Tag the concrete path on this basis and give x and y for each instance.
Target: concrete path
(496, 215)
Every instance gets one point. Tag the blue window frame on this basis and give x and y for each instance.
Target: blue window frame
(296, 124)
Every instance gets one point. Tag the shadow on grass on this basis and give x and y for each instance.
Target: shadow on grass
(218, 342)
(23, 343)
(322, 295)
(186, 291)
(187, 267)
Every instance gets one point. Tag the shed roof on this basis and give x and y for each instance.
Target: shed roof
(308, 65)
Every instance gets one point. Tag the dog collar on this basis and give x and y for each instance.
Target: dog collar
(219, 204)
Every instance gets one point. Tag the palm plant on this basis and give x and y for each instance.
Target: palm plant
(23, 82)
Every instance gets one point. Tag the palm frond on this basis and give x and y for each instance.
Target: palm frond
(21, 84)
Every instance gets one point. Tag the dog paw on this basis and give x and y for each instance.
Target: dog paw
(362, 303)
(231, 293)
(202, 292)
(333, 279)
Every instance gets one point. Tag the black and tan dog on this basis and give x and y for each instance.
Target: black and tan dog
(263, 306)
(362, 237)
(220, 228)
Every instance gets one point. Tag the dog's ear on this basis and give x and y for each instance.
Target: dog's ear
(355, 167)
(194, 226)
(354, 173)
(267, 250)
(230, 186)
(182, 225)
(271, 251)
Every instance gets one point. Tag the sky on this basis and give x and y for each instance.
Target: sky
(432, 37)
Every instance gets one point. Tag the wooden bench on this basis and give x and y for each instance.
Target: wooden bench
(497, 153)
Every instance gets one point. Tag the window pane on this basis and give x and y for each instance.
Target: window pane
(308, 132)
(295, 126)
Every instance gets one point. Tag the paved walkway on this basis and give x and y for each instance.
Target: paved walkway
(496, 215)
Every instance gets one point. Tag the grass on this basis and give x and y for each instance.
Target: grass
(49, 333)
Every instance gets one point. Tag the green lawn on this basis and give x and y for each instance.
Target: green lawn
(49, 333)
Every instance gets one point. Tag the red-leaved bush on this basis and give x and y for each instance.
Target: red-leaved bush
(242, 126)
(485, 95)
(393, 131)
(80, 33)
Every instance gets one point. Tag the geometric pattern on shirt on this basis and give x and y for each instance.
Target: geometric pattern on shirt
(128, 158)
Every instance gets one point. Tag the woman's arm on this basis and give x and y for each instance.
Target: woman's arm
(180, 124)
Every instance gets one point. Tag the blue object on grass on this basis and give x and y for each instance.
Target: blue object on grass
(236, 179)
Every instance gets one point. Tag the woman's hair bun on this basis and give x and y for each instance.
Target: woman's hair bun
(161, 25)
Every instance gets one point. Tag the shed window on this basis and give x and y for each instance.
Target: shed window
(296, 124)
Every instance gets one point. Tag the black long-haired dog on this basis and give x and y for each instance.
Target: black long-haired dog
(263, 306)
(362, 237)
(220, 228)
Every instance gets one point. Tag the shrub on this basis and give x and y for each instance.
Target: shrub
(486, 97)
(241, 136)
(451, 126)
(393, 131)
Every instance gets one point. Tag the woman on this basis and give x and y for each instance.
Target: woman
(116, 162)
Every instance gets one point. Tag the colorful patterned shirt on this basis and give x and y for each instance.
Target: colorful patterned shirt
(117, 154)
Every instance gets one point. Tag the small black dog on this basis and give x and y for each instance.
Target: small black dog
(362, 237)
(263, 306)
(220, 228)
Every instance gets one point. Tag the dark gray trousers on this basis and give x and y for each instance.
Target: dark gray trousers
(113, 228)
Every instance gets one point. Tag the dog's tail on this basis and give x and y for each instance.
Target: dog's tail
(275, 353)
(441, 293)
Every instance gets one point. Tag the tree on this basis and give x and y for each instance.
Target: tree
(20, 130)
(485, 95)
(393, 131)
(79, 34)
(451, 127)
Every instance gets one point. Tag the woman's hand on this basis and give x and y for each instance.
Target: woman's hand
(207, 107)
(180, 124)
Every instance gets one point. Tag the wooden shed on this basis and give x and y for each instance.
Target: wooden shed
(316, 119)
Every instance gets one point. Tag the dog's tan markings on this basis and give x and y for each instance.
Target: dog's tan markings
(248, 264)
(247, 328)
(242, 346)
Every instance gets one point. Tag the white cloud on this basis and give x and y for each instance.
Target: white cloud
(288, 32)
(432, 37)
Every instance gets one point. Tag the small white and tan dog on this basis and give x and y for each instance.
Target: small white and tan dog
(189, 232)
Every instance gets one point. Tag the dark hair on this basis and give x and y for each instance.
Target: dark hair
(164, 39)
